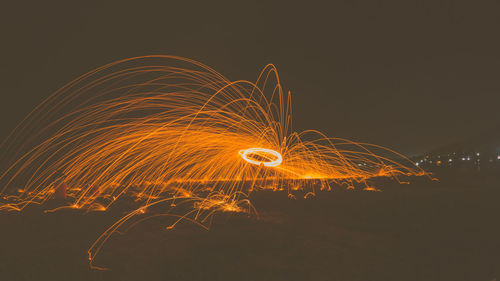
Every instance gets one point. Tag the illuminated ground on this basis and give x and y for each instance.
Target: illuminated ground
(421, 231)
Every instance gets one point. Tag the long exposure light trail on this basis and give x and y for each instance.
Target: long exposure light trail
(179, 138)
(246, 154)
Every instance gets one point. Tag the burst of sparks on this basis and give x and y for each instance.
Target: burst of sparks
(172, 132)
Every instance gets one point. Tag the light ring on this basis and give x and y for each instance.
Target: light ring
(257, 150)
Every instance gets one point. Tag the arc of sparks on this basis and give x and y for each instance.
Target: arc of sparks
(175, 135)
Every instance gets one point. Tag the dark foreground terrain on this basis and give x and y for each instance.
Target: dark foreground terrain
(447, 230)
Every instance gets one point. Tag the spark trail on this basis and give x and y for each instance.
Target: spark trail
(176, 135)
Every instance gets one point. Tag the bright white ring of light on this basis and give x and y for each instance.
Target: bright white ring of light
(257, 150)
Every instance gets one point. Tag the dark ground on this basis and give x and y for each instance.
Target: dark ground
(447, 230)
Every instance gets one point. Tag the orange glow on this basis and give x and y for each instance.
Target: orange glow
(180, 139)
(371, 188)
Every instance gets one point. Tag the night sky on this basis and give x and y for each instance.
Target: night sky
(410, 76)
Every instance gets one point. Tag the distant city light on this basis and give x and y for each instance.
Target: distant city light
(437, 160)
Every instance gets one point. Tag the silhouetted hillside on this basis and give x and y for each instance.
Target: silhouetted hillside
(477, 152)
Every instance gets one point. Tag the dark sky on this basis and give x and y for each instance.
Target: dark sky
(410, 76)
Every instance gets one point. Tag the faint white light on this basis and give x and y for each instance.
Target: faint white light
(498, 157)
(468, 158)
(477, 154)
(449, 160)
(463, 159)
(417, 164)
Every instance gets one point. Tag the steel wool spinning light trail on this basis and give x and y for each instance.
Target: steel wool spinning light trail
(177, 136)
(261, 152)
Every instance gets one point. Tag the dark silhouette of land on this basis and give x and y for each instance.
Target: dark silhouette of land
(427, 230)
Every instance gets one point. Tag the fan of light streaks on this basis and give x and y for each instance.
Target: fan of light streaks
(173, 132)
